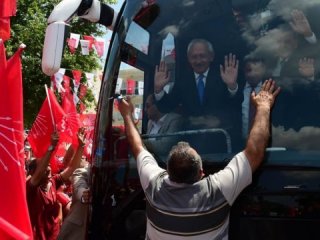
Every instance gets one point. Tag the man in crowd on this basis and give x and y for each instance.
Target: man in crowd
(181, 202)
(44, 208)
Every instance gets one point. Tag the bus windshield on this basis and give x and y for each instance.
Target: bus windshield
(190, 67)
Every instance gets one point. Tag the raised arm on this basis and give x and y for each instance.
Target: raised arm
(260, 132)
(43, 163)
(133, 136)
(75, 161)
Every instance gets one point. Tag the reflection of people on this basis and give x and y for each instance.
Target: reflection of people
(161, 122)
(74, 226)
(181, 202)
(203, 90)
(44, 208)
(255, 73)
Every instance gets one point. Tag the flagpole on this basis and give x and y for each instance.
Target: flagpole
(52, 118)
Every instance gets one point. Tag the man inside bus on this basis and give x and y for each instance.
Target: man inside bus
(202, 90)
(161, 123)
(181, 202)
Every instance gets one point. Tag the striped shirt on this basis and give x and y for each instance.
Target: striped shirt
(191, 211)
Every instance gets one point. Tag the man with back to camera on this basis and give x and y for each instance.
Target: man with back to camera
(181, 202)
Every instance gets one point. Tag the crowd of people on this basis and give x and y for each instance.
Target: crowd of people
(58, 203)
(181, 200)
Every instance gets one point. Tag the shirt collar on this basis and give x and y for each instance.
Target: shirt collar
(205, 74)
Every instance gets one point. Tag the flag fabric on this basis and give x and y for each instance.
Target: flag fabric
(90, 79)
(77, 76)
(70, 131)
(76, 81)
(99, 45)
(82, 91)
(85, 47)
(4, 28)
(8, 8)
(3, 60)
(14, 213)
(39, 136)
(82, 107)
(14, 78)
(131, 86)
(72, 45)
(88, 122)
(90, 39)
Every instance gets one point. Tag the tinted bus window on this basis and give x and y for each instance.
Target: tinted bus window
(190, 67)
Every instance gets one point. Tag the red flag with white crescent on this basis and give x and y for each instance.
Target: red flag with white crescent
(13, 210)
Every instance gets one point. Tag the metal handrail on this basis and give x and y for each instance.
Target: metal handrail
(184, 133)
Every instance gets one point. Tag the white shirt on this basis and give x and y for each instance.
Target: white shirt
(156, 126)
(231, 181)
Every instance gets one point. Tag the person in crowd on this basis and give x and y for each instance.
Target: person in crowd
(44, 208)
(203, 89)
(64, 199)
(74, 226)
(181, 202)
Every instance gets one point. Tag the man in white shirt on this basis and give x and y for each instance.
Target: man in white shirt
(181, 202)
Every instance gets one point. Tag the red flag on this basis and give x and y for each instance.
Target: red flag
(8, 8)
(14, 78)
(40, 134)
(99, 46)
(4, 28)
(88, 122)
(72, 45)
(131, 86)
(69, 133)
(82, 107)
(3, 59)
(14, 210)
(77, 76)
(66, 84)
(90, 39)
(83, 91)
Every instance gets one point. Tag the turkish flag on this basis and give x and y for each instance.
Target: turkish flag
(4, 28)
(8, 8)
(14, 211)
(69, 133)
(39, 136)
(131, 86)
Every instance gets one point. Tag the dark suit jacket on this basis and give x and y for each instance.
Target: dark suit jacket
(184, 97)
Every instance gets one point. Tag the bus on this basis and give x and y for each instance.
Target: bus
(150, 60)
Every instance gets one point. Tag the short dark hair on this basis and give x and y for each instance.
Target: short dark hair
(32, 165)
(183, 166)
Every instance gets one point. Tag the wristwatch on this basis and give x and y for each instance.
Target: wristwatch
(50, 148)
